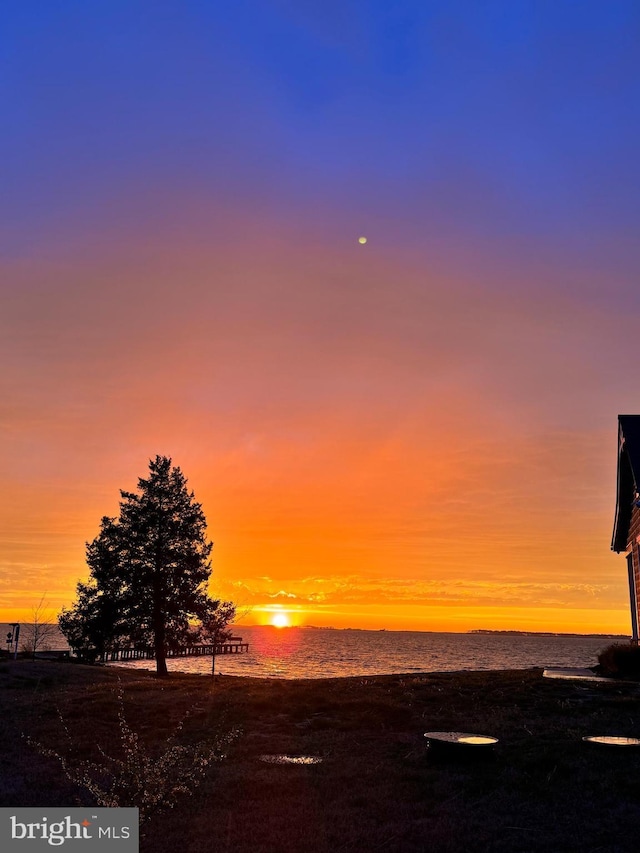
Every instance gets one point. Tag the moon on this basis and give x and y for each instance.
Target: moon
(362, 240)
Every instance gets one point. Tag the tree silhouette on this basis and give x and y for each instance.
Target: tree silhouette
(149, 571)
(215, 628)
(94, 625)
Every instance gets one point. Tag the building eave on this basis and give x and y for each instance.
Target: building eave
(627, 478)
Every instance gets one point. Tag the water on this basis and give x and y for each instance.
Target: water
(49, 636)
(324, 652)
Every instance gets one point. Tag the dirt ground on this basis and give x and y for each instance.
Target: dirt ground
(376, 785)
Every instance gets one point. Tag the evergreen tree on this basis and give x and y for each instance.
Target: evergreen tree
(149, 570)
(93, 626)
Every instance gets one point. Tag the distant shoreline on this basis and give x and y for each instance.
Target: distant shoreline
(505, 633)
(549, 634)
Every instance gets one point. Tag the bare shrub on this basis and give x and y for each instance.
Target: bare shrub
(620, 659)
(137, 777)
(38, 635)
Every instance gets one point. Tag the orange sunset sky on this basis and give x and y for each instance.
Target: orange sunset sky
(417, 433)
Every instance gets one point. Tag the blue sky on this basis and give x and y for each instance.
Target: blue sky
(507, 122)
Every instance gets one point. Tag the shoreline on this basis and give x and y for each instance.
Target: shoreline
(315, 679)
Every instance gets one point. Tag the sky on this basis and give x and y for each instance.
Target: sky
(415, 433)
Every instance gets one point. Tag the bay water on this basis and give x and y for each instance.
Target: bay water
(325, 652)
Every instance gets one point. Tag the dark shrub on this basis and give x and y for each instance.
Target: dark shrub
(621, 660)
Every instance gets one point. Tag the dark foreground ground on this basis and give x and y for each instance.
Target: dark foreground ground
(376, 788)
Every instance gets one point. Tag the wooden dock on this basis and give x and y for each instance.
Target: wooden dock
(235, 647)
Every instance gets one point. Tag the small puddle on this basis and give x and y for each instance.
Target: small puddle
(438, 738)
(609, 740)
(291, 759)
(477, 739)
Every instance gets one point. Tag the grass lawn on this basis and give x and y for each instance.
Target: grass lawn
(376, 787)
